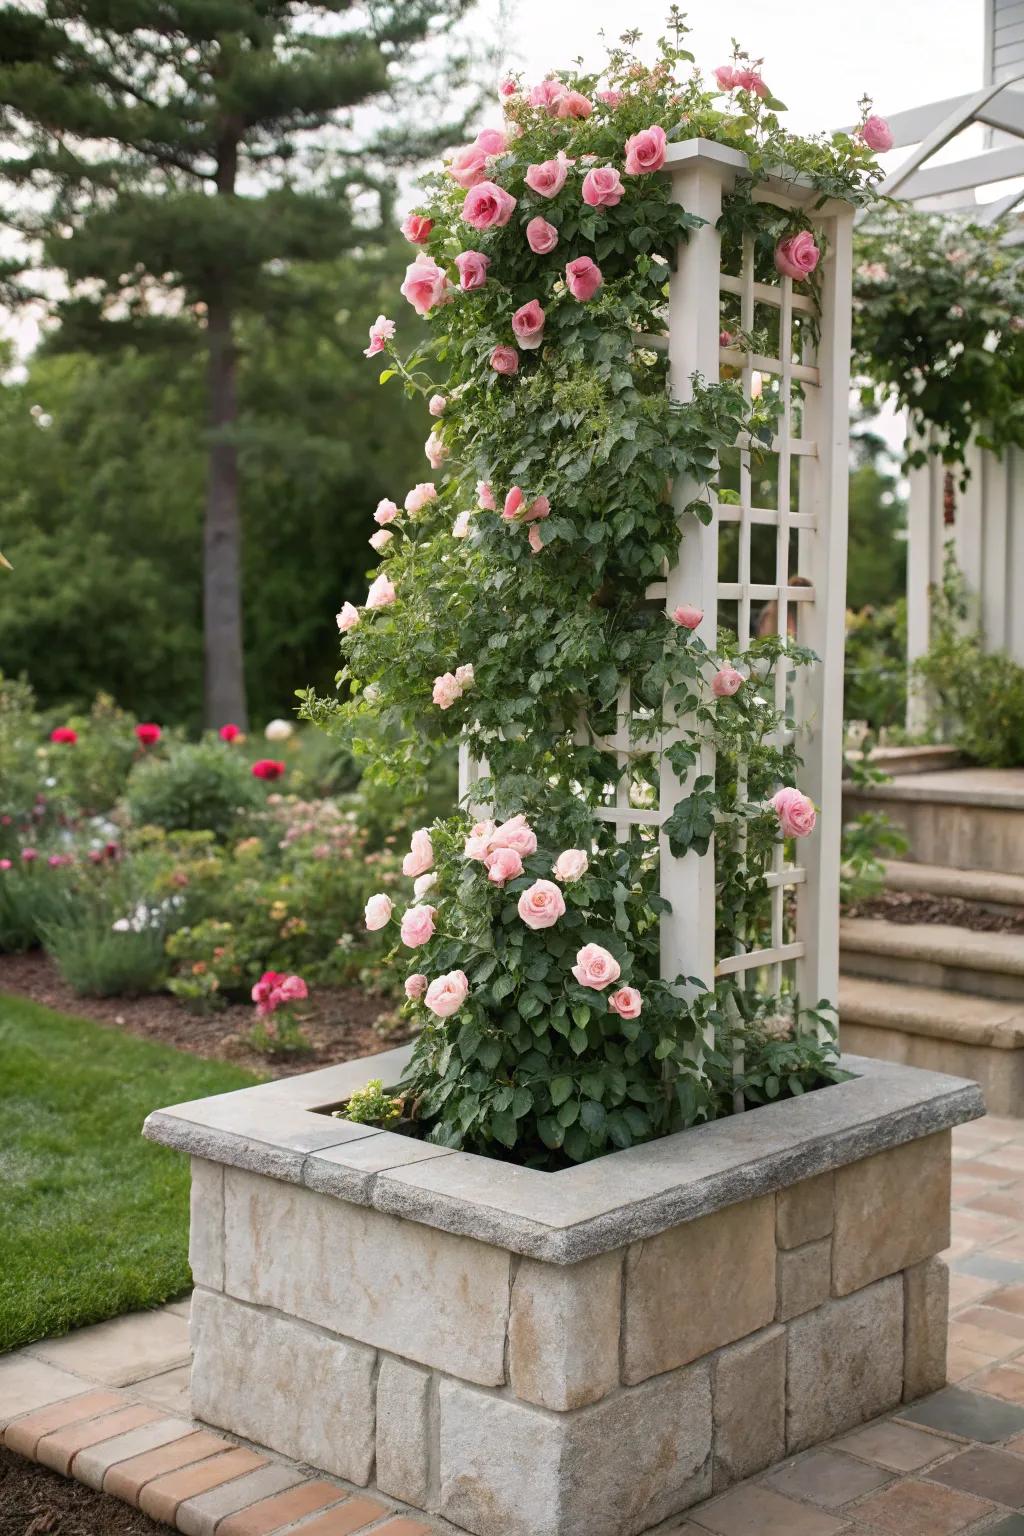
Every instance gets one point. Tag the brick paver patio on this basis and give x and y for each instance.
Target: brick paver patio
(109, 1405)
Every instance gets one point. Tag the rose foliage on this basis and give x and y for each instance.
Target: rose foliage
(509, 611)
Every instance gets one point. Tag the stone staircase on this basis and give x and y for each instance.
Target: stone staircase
(939, 994)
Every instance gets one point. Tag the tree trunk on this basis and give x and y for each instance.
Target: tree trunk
(222, 536)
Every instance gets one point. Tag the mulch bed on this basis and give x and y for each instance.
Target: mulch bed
(342, 1022)
(37, 1502)
(908, 907)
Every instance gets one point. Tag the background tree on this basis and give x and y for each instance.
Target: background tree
(179, 161)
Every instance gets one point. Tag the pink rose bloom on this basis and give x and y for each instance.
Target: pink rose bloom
(583, 278)
(436, 450)
(472, 267)
(378, 912)
(535, 541)
(541, 905)
(686, 616)
(446, 690)
(645, 151)
(626, 1002)
(507, 88)
(348, 618)
(420, 496)
(29, 855)
(293, 989)
(465, 676)
(426, 284)
(436, 404)
(727, 77)
(528, 325)
(538, 508)
(515, 833)
(877, 134)
(548, 178)
(795, 811)
(610, 99)
(797, 255)
(571, 864)
(386, 512)
(573, 104)
(492, 141)
(484, 496)
(513, 504)
(446, 994)
(420, 857)
(503, 864)
(415, 986)
(417, 926)
(750, 80)
(488, 206)
(541, 236)
(480, 840)
(5, 864)
(602, 187)
(381, 539)
(505, 360)
(416, 228)
(596, 968)
(460, 527)
(381, 594)
(726, 682)
(468, 166)
(548, 94)
(422, 884)
(381, 331)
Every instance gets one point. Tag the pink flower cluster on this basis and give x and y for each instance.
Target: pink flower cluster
(730, 78)
(276, 989)
(450, 686)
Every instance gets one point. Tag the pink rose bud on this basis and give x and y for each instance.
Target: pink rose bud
(420, 496)
(417, 926)
(447, 690)
(348, 618)
(386, 512)
(488, 206)
(436, 404)
(420, 857)
(750, 80)
(381, 594)
(541, 905)
(727, 77)
(460, 527)
(436, 450)
(528, 325)
(539, 508)
(602, 187)
(480, 840)
(797, 255)
(686, 616)
(645, 151)
(541, 236)
(378, 913)
(505, 360)
(416, 228)
(571, 864)
(877, 134)
(415, 986)
(507, 88)
(381, 332)
(548, 178)
(725, 338)
(534, 540)
(472, 267)
(503, 864)
(583, 278)
(513, 504)
(468, 166)
(795, 811)
(492, 141)
(381, 539)
(426, 284)
(596, 968)
(626, 1002)
(726, 682)
(446, 994)
(485, 496)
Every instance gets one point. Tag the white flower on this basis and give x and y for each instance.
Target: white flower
(279, 730)
(424, 884)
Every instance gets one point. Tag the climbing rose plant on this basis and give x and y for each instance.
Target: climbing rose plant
(509, 612)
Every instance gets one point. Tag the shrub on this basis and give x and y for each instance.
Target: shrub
(199, 787)
(876, 666)
(31, 895)
(90, 775)
(107, 938)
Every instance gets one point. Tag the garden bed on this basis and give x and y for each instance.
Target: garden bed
(906, 907)
(342, 1022)
(37, 1502)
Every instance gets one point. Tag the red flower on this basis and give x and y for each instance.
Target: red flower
(64, 735)
(148, 734)
(229, 732)
(267, 768)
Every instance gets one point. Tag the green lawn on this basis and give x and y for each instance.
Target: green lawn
(93, 1220)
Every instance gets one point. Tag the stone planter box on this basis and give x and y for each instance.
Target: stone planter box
(582, 1353)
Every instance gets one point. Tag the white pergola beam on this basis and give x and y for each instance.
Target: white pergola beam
(978, 171)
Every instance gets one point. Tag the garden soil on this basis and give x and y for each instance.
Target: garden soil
(37, 1502)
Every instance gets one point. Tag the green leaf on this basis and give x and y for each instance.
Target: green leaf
(560, 1089)
(503, 1126)
(388, 373)
(593, 1117)
(578, 1041)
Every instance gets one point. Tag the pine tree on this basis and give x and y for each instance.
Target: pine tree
(175, 160)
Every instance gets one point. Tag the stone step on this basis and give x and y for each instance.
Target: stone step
(960, 818)
(934, 955)
(968, 1036)
(985, 887)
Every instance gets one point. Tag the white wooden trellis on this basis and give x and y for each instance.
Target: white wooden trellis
(813, 434)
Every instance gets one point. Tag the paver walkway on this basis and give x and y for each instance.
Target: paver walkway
(109, 1405)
